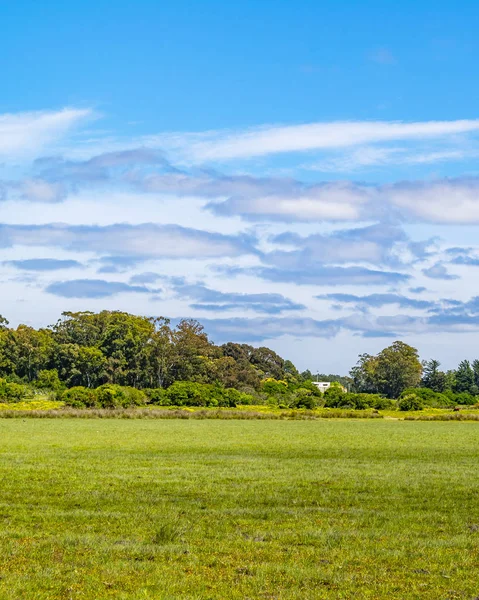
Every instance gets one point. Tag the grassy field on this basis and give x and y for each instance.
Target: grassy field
(207, 509)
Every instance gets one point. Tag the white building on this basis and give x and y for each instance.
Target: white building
(324, 385)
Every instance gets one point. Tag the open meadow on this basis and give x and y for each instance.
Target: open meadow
(203, 509)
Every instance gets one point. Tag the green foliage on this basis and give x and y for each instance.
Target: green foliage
(304, 398)
(11, 392)
(429, 397)
(465, 379)
(157, 396)
(116, 348)
(114, 396)
(464, 398)
(80, 397)
(274, 387)
(117, 354)
(394, 369)
(105, 396)
(410, 402)
(438, 400)
(48, 380)
(334, 397)
(433, 378)
(187, 393)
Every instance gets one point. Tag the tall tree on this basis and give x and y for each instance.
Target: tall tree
(432, 377)
(161, 354)
(394, 369)
(364, 374)
(475, 368)
(464, 377)
(398, 367)
(33, 351)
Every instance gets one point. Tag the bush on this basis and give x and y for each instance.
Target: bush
(410, 402)
(116, 396)
(80, 397)
(133, 397)
(157, 396)
(247, 399)
(187, 393)
(464, 398)
(48, 380)
(106, 396)
(430, 397)
(336, 398)
(304, 398)
(274, 387)
(11, 392)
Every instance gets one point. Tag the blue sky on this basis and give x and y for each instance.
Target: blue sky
(300, 175)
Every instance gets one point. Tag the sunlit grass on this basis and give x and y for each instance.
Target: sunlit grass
(209, 509)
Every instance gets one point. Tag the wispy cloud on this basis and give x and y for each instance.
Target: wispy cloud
(275, 139)
(93, 288)
(368, 157)
(439, 271)
(210, 299)
(377, 300)
(44, 264)
(146, 240)
(378, 244)
(320, 275)
(262, 328)
(447, 200)
(28, 132)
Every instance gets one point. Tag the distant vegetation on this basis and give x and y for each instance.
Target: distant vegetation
(117, 360)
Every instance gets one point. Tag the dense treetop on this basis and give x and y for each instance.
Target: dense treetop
(89, 349)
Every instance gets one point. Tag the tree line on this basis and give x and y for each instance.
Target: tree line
(398, 372)
(106, 358)
(91, 349)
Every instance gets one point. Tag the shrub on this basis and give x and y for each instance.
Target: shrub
(158, 396)
(464, 398)
(274, 387)
(11, 392)
(187, 393)
(246, 399)
(110, 396)
(114, 396)
(80, 397)
(410, 402)
(430, 397)
(48, 380)
(133, 397)
(304, 398)
(336, 398)
(231, 397)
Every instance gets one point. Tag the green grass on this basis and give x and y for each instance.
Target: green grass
(210, 509)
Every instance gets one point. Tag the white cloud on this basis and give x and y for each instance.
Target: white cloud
(39, 190)
(28, 132)
(443, 201)
(451, 201)
(226, 145)
(377, 156)
(335, 201)
(145, 240)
